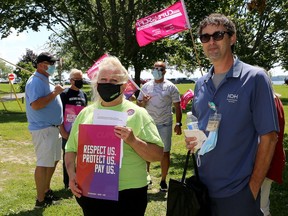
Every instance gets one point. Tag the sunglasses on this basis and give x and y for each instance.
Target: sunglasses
(159, 68)
(217, 36)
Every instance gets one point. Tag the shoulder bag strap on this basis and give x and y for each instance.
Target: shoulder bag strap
(185, 167)
(194, 166)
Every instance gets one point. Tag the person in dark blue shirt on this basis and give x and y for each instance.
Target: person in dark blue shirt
(233, 162)
(73, 100)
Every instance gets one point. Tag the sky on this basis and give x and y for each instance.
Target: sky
(14, 46)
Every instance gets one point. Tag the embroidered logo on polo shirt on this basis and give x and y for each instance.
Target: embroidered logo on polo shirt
(232, 98)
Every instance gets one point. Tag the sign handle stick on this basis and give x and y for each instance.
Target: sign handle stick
(11, 84)
(3, 104)
(10, 88)
(132, 81)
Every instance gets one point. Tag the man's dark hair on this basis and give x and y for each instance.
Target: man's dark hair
(217, 20)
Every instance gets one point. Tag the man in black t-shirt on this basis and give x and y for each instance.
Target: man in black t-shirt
(73, 100)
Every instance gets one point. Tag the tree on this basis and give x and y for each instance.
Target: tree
(109, 27)
(5, 69)
(24, 74)
(90, 28)
(29, 56)
(261, 32)
(261, 29)
(284, 53)
(27, 62)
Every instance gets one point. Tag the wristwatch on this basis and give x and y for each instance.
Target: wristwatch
(179, 123)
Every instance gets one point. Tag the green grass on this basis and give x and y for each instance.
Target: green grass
(17, 163)
(6, 88)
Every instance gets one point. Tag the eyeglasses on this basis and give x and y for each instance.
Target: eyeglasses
(159, 68)
(217, 36)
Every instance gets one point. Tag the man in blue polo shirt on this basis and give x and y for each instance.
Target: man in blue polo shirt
(44, 114)
(235, 158)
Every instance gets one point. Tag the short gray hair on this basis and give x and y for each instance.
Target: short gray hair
(74, 71)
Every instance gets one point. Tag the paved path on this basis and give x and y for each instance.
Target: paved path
(10, 97)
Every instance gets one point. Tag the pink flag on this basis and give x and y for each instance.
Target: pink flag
(91, 72)
(162, 24)
(186, 98)
(130, 89)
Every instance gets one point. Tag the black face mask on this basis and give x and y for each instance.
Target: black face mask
(78, 83)
(108, 91)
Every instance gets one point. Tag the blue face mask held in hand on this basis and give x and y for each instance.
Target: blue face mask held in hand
(212, 127)
(210, 143)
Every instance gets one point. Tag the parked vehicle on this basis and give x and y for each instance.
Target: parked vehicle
(67, 82)
(173, 80)
(86, 81)
(17, 80)
(2, 80)
(184, 80)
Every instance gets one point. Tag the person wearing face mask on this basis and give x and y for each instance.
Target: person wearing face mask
(74, 99)
(44, 114)
(235, 102)
(158, 96)
(141, 143)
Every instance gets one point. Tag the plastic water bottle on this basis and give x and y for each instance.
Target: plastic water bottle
(191, 121)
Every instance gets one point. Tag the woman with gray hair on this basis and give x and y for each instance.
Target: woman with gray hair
(141, 143)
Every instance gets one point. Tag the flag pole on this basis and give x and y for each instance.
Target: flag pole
(132, 81)
(25, 70)
(195, 50)
(193, 43)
